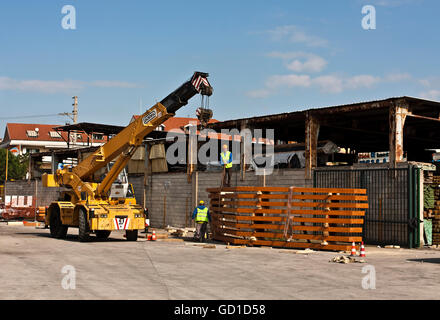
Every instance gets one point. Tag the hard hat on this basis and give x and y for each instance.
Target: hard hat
(201, 202)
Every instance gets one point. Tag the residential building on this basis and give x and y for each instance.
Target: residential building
(23, 138)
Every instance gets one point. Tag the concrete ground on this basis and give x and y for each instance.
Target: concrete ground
(31, 266)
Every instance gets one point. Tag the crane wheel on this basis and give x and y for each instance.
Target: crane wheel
(57, 229)
(102, 234)
(84, 231)
(131, 235)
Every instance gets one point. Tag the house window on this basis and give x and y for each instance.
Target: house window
(32, 133)
(55, 135)
(76, 136)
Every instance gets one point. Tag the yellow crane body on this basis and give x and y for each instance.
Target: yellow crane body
(85, 204)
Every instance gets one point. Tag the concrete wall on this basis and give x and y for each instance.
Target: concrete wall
(138, 182)
(179, 200)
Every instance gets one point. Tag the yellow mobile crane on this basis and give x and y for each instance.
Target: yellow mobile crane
(86, 204)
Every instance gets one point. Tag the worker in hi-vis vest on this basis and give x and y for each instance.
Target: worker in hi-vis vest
(226, 161)
(201, 216)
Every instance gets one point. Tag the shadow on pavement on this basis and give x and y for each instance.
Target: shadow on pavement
(70, 237)
(427, 260)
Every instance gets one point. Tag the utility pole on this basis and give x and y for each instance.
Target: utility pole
(7, 165)
(75, 109)
(6, 175)
(75, 116)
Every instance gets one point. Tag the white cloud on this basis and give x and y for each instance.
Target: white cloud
(113, 84)
(337, 84)
(389, 3)
(295, 34)
(361, 81)
(432, 88)
(326, 83)
(301, 61)
(431, 95)
(262, 93)
(396, 77)
(291, 80)
(432, 82)
(57, 86)
(329, 83)
(312, 64)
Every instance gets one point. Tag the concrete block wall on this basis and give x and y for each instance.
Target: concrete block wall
(138, 182)
(181, 196)
(177, 199)
(43, 195)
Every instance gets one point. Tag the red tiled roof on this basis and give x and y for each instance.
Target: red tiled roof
(18, 131)
(179, 122)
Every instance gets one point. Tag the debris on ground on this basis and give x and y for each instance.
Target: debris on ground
(170, 240)
(392, 247)
(234, 247)
(32, 224)
(305, 251)
(196, 244)
(345, 259)
(15, 223)
(209, 246)
(179, 232)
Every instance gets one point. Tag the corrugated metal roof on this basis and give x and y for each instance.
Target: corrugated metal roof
(299, 114)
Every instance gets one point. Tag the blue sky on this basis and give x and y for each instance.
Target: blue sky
(263, 56)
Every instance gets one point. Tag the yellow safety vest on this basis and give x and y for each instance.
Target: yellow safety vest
(225, 158)
(202, 215)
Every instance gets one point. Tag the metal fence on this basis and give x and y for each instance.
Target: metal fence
(393, 197)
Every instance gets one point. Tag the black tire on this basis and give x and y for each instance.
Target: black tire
(102, 234)
(83, 224)
(131, 235)
(57, 229)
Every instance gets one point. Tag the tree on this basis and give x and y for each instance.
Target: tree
(17, 166)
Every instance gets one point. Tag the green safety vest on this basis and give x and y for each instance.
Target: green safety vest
(202, 215)
(225, 158)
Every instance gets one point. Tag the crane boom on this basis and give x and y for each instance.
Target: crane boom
(85, 204)
(123, 145)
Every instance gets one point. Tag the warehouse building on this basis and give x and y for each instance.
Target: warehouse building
(383, 146)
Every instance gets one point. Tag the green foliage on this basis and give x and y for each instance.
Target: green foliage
(17, 167)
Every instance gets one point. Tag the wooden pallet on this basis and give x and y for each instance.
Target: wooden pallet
(316, 218)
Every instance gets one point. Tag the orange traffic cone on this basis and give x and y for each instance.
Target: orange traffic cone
(362, 250)
(149, 237)
(154, 238)
(353, 249)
